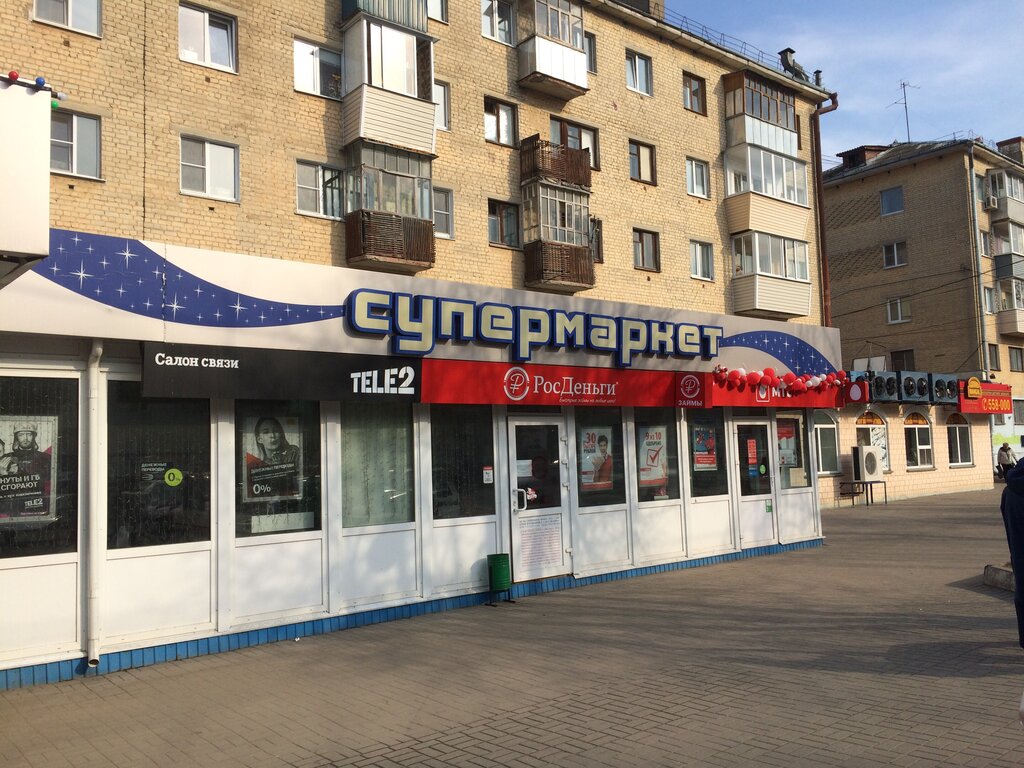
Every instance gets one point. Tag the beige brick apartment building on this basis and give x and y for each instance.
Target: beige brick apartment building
(924, 257)
(316, 314)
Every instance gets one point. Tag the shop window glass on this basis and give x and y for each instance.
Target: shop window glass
(657, 454)
(601, 477)
(158, 468)
(826, 434)
(791, 433)
(871, 430)
(278, 467)
(462, 454)
(38, 466)
(958, 434)
(706, 443)
(377, 483)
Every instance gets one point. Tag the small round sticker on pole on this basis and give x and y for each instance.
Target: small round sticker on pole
(173, 477)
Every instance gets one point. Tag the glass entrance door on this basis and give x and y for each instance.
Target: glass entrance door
(756, 473)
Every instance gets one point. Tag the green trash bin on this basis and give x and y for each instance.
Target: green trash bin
(499, 569)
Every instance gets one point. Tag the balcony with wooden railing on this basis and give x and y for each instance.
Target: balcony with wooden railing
(558, 267)
(540, 159)
(388, 241)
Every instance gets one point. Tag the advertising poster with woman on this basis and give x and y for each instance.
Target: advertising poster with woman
(596, 459)
(273, 458)
(27, 468)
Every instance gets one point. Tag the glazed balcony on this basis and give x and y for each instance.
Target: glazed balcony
(388, 242)
(540, 159)
(1010, 322)
(753, 212)
(552, 68)
(558, 267)
(1009, 264)
(1008, 209)
(387, 117)
(771, 297)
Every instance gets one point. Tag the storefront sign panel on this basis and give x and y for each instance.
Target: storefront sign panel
(978, 397)
(700, 390)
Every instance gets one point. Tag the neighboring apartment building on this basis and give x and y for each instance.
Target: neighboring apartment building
(333, 301)
(925, 262)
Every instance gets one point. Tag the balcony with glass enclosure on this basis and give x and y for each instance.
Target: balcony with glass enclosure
(771, 277)
(553, 60)
(1010, 319)
(1008, 190)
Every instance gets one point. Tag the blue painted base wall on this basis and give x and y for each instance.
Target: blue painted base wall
(57, 671)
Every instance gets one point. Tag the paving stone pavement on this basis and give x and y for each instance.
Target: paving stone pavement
(881, 648)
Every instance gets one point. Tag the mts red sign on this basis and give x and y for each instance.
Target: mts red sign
(467, 381)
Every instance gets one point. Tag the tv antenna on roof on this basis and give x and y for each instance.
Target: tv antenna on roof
(906, 114)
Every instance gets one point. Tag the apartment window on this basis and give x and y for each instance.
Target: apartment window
(1007, 185)
(638, 73)
(645, 250)
(317, 70)
(444, 222)
(1018, 412)
(575, 136)
(990, 300)
(761, 253)
(400, 62)
(496, 20)
(993, 357)
(381, 178)
(503, 223)
(826, 438)
(205, 37)
(443, 104)
(1016, 358)
(917, 434)
(75, 144)
(958, 435)
(1011, 294)
(319, 189)
(561, 20)
(499, 122)
(596, 240)
(983, 243)
(894, 255)
(752, 168)
(438, 10)
(898, 309)
(641, 163)
(979, 187)
(892, 200)
(702, 260)
(79, 15)
(209, 169)
(902, 360)
(697, 178)
(693, 93)
(590, 48)
(556, 215)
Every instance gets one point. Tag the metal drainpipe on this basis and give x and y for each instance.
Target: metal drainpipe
(96, 524)
(973, 215)
(819, 204)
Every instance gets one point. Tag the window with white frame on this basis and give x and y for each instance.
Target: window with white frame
(319, 189)
(503, 223)
(983, 243)
(556, 215)
(443, 106)
(1006, 237)
(1005, 184)
(438, 10)
(396, 59)
(898, 309)
(317, 70)
(499, 122)
(894, 255)
(752, 168)
(575, 136)
(497, 21)
(387, 179)
(638, 73)
(697, 178)
(958, 435)
(205, 37)
(892, 200)
(444, 220)
(1011, 294)
(561, 20)
(761, 253)
(75, 144)
(646, 252)
(702, 260)
(79, 15)
(209, 168)
(826, 439)
(872, 430)
(990, 300)
(917, 434)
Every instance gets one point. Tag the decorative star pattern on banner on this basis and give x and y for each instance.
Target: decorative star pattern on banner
(127, 275)
(794, 353)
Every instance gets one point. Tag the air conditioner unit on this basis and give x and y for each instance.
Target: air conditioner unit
(945, 388)
(867, 463)
(914, 387)
(885, 387)
(991, 203)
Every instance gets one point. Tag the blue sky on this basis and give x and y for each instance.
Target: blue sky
(964, 59)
